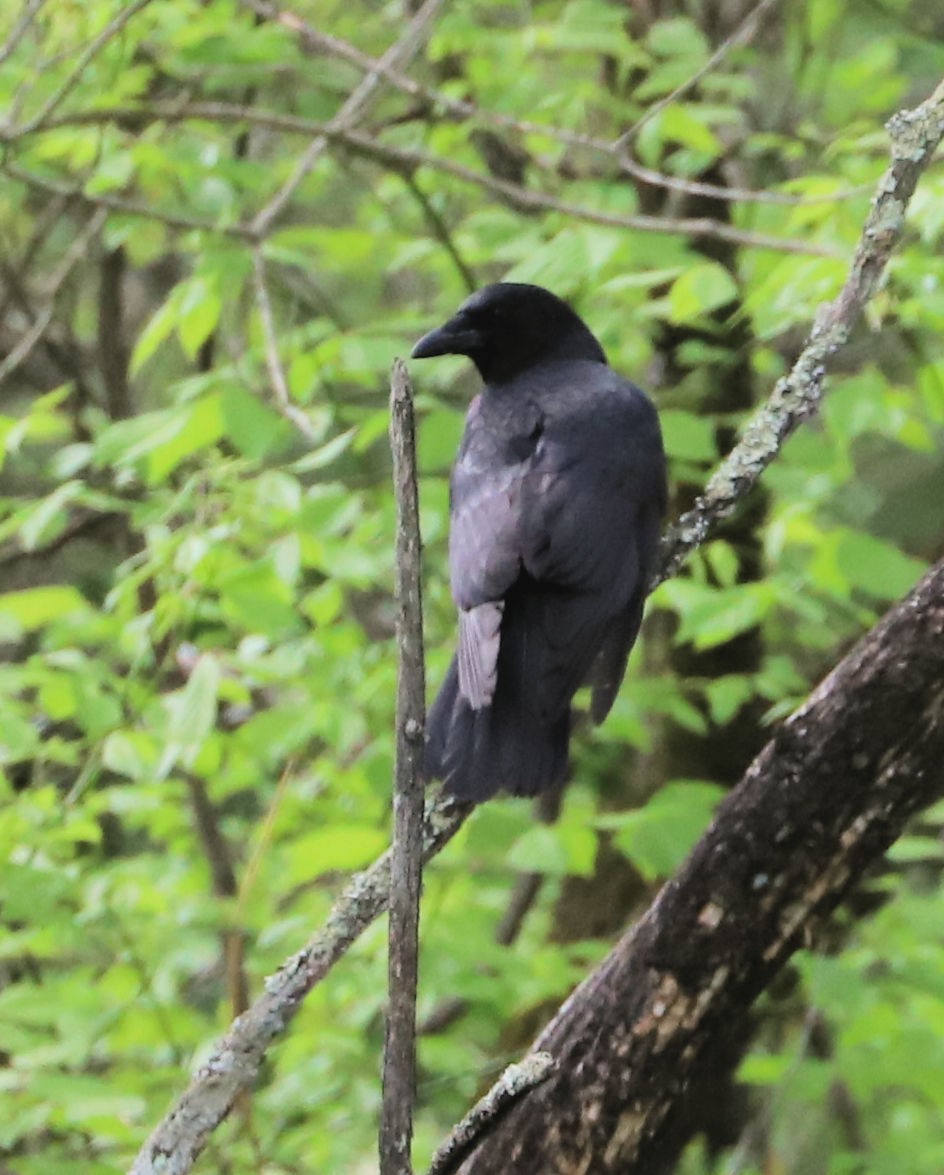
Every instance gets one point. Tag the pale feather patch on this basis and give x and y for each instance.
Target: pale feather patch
(479, 638)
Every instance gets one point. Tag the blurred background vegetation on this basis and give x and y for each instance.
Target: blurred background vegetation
(220, 222)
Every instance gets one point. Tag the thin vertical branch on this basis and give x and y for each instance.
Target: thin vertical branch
(112, 342)
(441, 232)
(406, 860)
(277, 377)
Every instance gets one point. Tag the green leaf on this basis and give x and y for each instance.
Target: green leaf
(710, 616)
(875, 566)
(198, 312)
(702, 288)
(34, 608)
(658, 837)
(682, 124)
(49, 516)
(677, 37)
(196, 426)
(255, 598)
(438, 440)
(558, 850)
(253, 427)
(159, 328)
(191, 715)
(764, 1068)
(131, 753)
(343, 845)
(726, 695)
(688, 437)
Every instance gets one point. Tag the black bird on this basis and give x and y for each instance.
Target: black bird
(556, 498)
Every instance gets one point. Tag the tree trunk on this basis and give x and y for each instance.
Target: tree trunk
(826, 796)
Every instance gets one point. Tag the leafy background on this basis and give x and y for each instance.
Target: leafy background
(196, 537)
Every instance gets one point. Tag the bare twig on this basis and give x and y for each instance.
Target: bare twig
(283, 397)
(235, 1062)
(72, 257)
(729, 193)
(411, 41)
(121, 204)
(514, 1083)
(440, 231)
(315, 40)
(79, 527)
(19, 30)
(399, 1070)
(219, 857)
(91, 51)
(65, 352)
(406, 161)
(741, 35)
(262, 841)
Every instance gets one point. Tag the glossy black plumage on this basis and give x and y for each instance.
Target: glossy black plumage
(556, 499)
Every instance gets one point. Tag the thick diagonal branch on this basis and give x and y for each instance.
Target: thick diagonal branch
(827, 795)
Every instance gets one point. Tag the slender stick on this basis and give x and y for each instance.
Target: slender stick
(406, 859)
(514, 1083)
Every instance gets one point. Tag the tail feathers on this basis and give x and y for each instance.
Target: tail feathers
(501, 747)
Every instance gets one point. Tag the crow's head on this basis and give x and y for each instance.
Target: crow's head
(509, 327)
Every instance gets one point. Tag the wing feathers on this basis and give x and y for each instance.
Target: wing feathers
(556, 499)
(479, 630)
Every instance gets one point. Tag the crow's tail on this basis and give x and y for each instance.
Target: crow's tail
(502, 747)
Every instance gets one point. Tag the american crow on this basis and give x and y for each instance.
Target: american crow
(556, 498)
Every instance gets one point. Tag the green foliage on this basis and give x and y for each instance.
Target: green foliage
(658, 836)
(195, 593)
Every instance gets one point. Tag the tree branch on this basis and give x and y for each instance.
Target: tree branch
(92, 50)
(414, 36)
(831, 791)
(317, 41)
(280, 390)
(235, 1062)
(403, 160)
(21, 28)
(514, 1083)
(915, 136)
(406, 854)
(740, 36)
(73, 255)
(111, 341)
(440, 231)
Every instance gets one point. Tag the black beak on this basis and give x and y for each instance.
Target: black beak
(452, 338)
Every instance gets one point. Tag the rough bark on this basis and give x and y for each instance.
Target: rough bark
(406, 855)
(827, 795)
